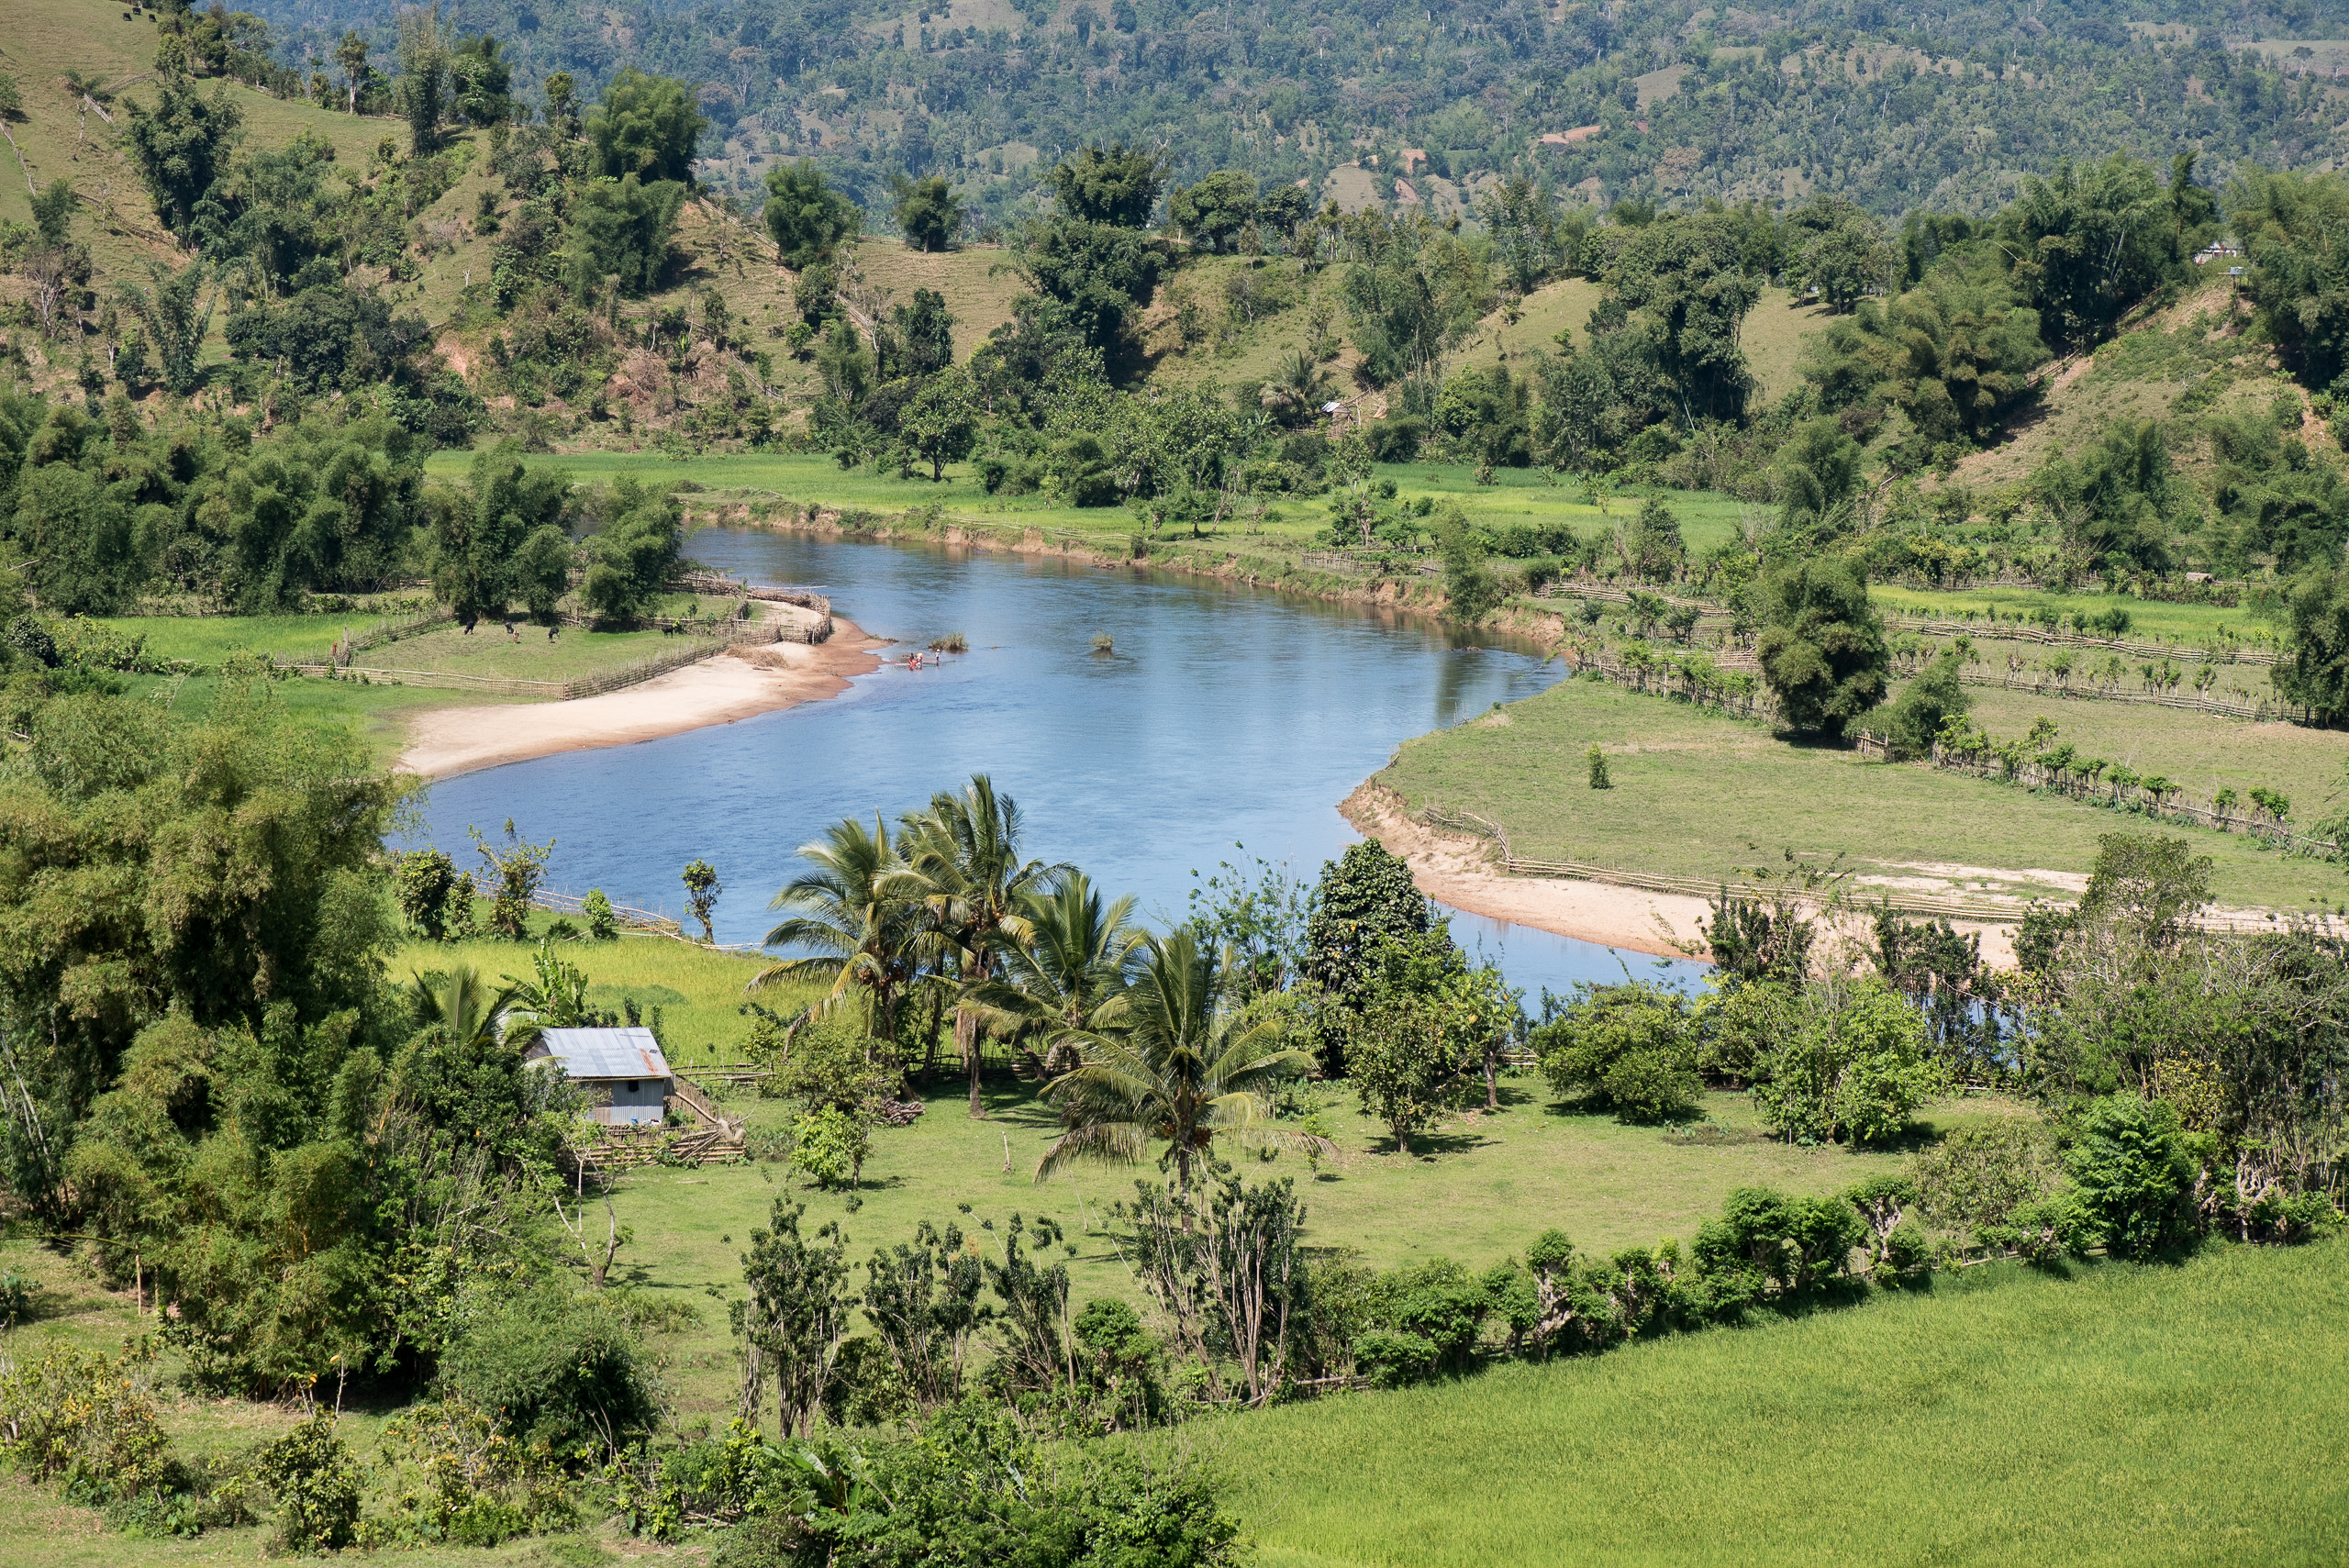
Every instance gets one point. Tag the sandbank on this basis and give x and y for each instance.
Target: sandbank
(1453, 869)
(736, 683)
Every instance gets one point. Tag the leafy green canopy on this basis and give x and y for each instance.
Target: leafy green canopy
(1822, 649)
(646, 125)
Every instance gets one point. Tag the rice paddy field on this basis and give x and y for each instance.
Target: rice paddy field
(2185, 1415)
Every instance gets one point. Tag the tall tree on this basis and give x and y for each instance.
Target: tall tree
(1174, 1065)
(1823, 651)
(965, 853)
(858, 915)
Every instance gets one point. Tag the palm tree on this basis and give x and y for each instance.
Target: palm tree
(1172, 1065)
(857, 916)
(1298, 388)
(469, 1014)
(1075, 965)
(963, 853)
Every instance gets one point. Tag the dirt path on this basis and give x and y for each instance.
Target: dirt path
(1452, 867)
(719, 690)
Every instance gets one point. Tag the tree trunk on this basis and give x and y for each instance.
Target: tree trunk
(966, 1034)
(1492, 1078)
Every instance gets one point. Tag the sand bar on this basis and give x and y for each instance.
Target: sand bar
(738, 683)
(1451, 868)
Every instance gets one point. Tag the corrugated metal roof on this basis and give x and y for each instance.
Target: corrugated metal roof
(603, 1053)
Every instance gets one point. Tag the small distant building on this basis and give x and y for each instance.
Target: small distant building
(625, 1079)
(2222, 251)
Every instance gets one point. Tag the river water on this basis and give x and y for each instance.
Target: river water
(1226, 726)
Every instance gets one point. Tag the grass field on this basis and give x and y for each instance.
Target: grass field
(2149, 620)
(1290, 524)
(2143, 1416)
(1698, 794)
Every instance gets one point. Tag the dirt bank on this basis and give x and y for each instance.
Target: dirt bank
(719, 690)
(1453, 867)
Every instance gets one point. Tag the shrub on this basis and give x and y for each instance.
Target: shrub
(317, 1483)
(1853, 1068)
(560, 1372)
(1976, 1177)
(458, 1478)
(2132, 1175)
(424, 885)
(1766, 1241)
(829, 1144)
(76, 1414)
(1632, 1047)
(1424, 1321)
(1597, 760)
(603, 921)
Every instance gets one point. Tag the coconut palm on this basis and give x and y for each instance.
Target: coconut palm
(468, 1011)
(858, 916)
(1298, 388)
(1171, 1065)
(1077, 964)
(964, 856)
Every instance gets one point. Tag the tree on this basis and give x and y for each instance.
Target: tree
(1214, 211)
(182, 147)
(1823, 651)
(797, 1315)
(424, 78)
(925, 334)
(806, 218)
(647, 127)
(923, 1303)
(468, 1011)
(517, 869)
(1653, 545)
(2088, 242)
(482, 81)
(860, 918)
(702, 888)
(1631, 1047)
(927, 211)
(1115, 185)
(632, 558)
(1819, 471)
(53, 214)
(1686, 277)
(1365, 899)
(1172, 1063)
(972, 883)
(1854, 1067)
(2132, 1175)
(1932, 701)
(1298, 388)
(477, 534)
(1407, 1062)
(2314, 672)
(1849, 260)
(942, 421)
(1523, 218)
(621, 228)
(352, 55)
(1077, 960)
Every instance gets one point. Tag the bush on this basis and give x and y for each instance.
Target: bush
(603, 921)
(78, 1414)
(1631, 1047)
(829, 1144)
(459, 1479)
(1976, 1178)
(426, 885)
(1766, 1241)
(1853, 1068)
(560, 1371)
(1424, 1321)
(317, 1483)
(2132, 1175)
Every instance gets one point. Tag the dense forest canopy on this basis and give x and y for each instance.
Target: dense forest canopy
(1893, 105)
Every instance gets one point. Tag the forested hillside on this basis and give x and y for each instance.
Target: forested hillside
(1893, 104)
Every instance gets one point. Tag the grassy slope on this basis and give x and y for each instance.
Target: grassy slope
(1698, 794)
(2121, 1415)
(118, 221)
(2141, 374)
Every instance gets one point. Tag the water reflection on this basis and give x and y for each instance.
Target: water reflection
(1223, 715)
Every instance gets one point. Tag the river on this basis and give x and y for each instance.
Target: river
(1225, 725)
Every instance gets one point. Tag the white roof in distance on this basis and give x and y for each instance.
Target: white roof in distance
(603, 1054)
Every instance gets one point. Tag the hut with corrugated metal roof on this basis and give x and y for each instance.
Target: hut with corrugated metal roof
(626, 1077)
